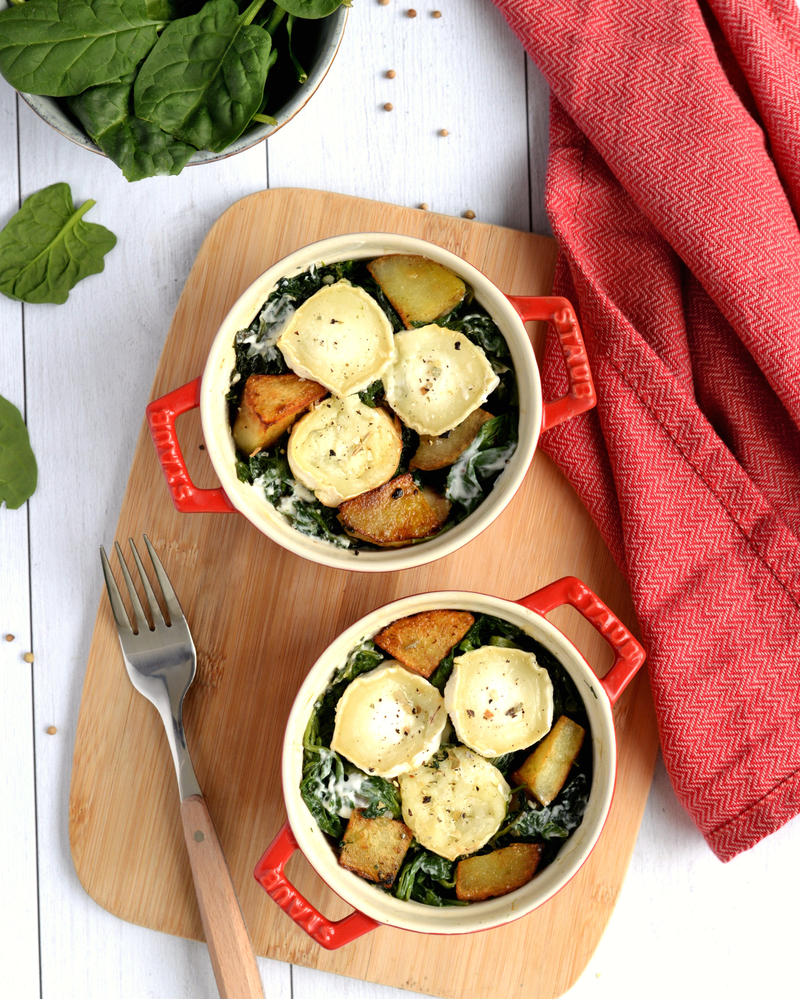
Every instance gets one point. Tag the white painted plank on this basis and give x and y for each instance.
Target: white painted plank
(539, 145)
(464, 71)
(90, 367)
(689, 925)
(19, 939)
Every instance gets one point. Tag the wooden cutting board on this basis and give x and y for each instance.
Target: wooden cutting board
(261, 616)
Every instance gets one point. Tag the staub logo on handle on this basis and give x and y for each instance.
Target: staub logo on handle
(164, 441)
(574, 352)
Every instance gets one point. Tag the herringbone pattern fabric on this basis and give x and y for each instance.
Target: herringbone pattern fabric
(674, 170)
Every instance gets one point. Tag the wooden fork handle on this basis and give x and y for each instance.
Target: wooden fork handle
(232, 955)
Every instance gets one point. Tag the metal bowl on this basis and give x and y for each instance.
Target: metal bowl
(325, 47)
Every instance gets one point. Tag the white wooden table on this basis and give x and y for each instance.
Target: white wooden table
(81, 374)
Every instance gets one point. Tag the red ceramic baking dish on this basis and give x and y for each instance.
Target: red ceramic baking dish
(373, 906)
(209, 391)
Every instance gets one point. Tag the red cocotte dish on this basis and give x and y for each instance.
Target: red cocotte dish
(331, 389)
(445, 822)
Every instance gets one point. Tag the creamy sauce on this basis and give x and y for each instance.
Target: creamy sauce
(272, 320)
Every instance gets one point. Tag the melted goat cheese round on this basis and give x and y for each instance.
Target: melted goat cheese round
(342, 448)
(437, 379)
(340, 337)
(500, 700)
(455, 803)
(388, 720)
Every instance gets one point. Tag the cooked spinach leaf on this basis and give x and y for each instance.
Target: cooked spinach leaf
(556, 820)
(138, 147)
(426, 877)
(204, 79)
(472, 475)
(47, 247)
(371, 395)
(18, 471)
(61, 47)
(270, 471)
(332, 788)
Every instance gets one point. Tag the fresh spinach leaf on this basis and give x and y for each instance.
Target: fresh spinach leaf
(18, 472)
(204, 79)
(47, 247)
(312, 8)
(138, 147)
(61, 47)
(300, 73)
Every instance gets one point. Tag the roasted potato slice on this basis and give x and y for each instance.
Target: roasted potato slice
(374, 848)
(497, 873)
(421, 641)
(419, 289)
(270, 404)
(543, 773)
(395, 514)
(439, 452)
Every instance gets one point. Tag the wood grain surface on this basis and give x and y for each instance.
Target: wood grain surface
(260, 617)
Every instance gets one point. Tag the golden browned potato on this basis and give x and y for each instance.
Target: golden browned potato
(497, 873)
(439, 452)
(543, 773)
(270, 404)
(419, 289)
(421, 641)
(395, 514)
(374, 848)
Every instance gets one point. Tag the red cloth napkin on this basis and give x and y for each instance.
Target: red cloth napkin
(673, 187)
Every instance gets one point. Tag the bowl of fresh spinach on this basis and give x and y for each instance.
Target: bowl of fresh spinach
(156, 85)
(354, 826)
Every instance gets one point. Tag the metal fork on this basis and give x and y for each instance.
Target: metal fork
(161, 663)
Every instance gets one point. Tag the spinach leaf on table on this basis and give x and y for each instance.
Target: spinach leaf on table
(204, 79)
(47, 247)
(18, 472)
(60, 47)
(138, 147)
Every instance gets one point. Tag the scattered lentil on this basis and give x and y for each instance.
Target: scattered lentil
(52, 730)
(469, 214)
(424, 206)
(443, 131)
(437, 13)
(412, 12)
(9, 638)
(390, 73)
(28, 657)
(383, 3)
(388, 107)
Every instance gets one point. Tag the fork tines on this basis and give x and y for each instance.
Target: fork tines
(117, 604)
